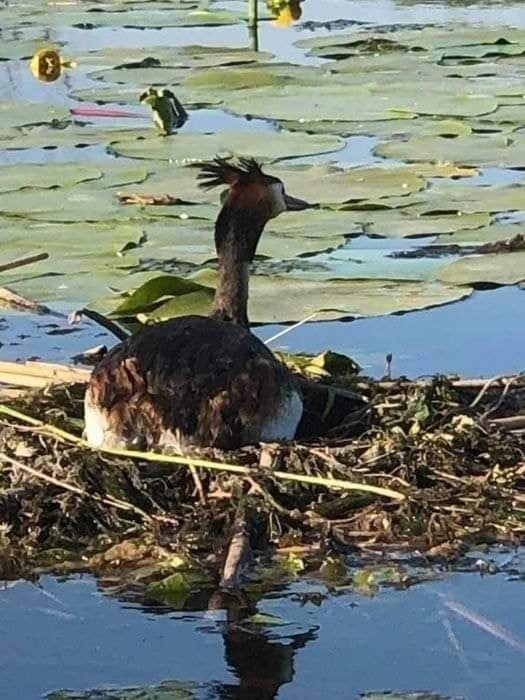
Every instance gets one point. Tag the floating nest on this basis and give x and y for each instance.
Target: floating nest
(431, 465)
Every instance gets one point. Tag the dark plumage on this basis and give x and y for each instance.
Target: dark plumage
(203, 381)
(218, 386)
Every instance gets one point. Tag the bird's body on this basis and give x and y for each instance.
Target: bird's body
(191, 381)
(199, 381)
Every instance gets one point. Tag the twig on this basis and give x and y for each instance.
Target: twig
(110, 501)
(16, 301)
(198, 485)
(508, 383)
(484, 389)
(289, 329)
(509, 423)
(108, 324)
(207, 464)
(23, 261)
(40, 374)
(239, 552)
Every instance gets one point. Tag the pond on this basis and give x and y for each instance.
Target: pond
(457, 635)
(403, 121)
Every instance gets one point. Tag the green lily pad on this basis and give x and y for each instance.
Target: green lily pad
(155, 75)
(443, 198)
(410, 224)
(51, 175)
(474, 149)
(129, 95)
(299, 298)
(188, 56)
(189, 147)
(498, 268)
(323, 184)
(19, 48)
(44, 136)
(375, 102)
(20, 113)
(154, 17)
(480, 236)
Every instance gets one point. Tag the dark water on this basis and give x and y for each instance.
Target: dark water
(70, 634)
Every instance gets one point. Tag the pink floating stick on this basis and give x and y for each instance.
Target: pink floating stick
(104, 112)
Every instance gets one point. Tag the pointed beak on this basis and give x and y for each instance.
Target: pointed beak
(294, 203)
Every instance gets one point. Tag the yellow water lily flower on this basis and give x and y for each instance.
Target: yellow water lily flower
(288, 13)
(47, 64)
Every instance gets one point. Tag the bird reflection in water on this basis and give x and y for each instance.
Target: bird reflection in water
(261, 663)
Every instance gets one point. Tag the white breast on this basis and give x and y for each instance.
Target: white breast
(283, 425)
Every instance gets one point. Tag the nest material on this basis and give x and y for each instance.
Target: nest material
(436, 441)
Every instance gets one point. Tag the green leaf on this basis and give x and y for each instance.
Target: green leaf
(174, 590)
(153, 292)
(266, 619)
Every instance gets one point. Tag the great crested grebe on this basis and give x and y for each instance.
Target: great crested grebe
(203, 381)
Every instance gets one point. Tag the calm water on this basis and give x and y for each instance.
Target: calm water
(72, 634)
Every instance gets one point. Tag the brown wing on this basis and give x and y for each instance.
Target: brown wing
(208, 379)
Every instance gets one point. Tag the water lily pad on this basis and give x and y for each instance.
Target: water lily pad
(129, 95)
(275, 299)
(480, 236)
(18, 48)
(407, 224)
(323, 184)
(79, 204)
(375, 102)
(188, 147)
(72, 135)
(155, 17)
(21, 113)
(499, 268)
(17, 177)
(474, 149)
(193, 55)
(470, 199)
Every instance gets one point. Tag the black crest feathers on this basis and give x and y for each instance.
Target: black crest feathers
(226, 172)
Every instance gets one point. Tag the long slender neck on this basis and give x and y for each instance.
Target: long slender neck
(236, 238)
